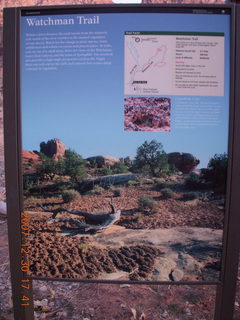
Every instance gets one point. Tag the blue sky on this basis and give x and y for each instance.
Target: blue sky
(83, 105)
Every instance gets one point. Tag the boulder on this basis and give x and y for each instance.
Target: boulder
(53, 148)
(184, 162)
(176, 275)
(102, 161)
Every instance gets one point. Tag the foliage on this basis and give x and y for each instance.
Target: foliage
(119, 167)
(93, 163)
(106, 171)
(216, 173)
(138, 215)
(30, 181)
(71, 165)
(70, 195)
(97, 190)
(84, 247)
(74, 166)
(127, 162)
(167, 193)
(151, 159)
(60, 165)
(146, 202)
(47, 168)
(146, 181)
(133, 183)
(117, 192)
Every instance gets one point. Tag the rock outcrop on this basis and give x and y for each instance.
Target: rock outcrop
(30, 157)
(102, 161)
(53, 148)
(105, 181)
(184, 162)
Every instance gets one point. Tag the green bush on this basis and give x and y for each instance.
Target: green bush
(146, 202)
(106, 171)
(151, 159)
(47, 168)
(117, 192)
(138, 215)
(70, 195)
(147, 181)
(167, 193)
(72, 165)
(119, 167)
(29, 181)
(97, 190)
(84, 247)
(133, 183)
(191, 195)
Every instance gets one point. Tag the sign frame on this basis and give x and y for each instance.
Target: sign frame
(13, 166)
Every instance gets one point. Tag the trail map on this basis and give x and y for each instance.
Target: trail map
(146, 63)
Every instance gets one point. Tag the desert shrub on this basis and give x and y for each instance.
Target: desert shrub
(27, 183)
(72, 165)
(147, 181)
(30, 181)
(194, 182)
(151, 159)
(167, 193)
(47, 168)
(117, 192)
(133, 183)
(97, 190)
(106, 171)
(119, 167)
(70, 195)
(191, 195)
(93, 163)
(146, 202)
(84, 247)
(138, 215)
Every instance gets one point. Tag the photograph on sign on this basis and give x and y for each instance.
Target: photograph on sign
(125, 143)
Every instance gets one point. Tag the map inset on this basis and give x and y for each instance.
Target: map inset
(146, 63)
(163, 63)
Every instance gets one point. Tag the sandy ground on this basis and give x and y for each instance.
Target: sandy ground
(61, 300)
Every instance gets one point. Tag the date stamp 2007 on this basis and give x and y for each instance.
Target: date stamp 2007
(25, 249)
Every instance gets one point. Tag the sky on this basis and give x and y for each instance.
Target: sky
(83, 105)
